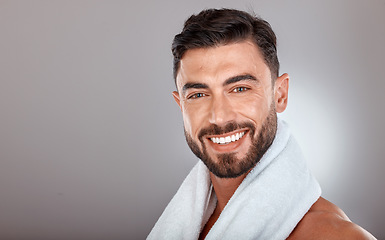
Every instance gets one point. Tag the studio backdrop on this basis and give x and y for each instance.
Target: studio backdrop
(91, 140)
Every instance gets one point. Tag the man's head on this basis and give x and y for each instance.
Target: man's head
(226, 73)
(215, 27)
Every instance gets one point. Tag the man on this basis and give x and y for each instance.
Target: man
(252, 182)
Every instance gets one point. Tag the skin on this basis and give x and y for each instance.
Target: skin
(205, 98)
(325, 220)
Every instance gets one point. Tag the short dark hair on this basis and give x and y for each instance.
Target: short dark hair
(214, 27)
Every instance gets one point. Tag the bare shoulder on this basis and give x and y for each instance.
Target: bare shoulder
(325, 220)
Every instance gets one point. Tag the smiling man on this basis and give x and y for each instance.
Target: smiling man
(252, 181)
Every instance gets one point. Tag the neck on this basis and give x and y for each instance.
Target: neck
(224, 188)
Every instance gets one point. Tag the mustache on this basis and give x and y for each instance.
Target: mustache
(214, 129)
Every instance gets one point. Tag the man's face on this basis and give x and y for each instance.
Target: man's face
(228, 104)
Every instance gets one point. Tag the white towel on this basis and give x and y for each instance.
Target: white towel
(268, 204)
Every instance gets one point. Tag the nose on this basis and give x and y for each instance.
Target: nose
(221, 111)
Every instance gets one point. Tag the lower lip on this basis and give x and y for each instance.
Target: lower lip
(230, 147)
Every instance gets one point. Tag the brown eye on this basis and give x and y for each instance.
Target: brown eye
(240, 89)
(197, 95)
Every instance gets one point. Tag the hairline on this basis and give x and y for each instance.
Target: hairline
(225, 43)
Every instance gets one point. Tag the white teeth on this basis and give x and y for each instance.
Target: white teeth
(233, 138)
(237, 136)
(228, 139)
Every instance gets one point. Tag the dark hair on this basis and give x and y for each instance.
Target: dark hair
(213, 27)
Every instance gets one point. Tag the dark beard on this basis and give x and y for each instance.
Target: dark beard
(228, 165)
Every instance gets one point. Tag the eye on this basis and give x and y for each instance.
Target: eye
(196, 95)
(240, 89)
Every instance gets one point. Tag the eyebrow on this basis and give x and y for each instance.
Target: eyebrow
(194, 85)
(239, 78)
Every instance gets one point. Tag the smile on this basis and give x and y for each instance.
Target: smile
(228, 139)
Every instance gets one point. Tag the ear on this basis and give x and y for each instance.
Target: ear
(281, 91)
(176, 96)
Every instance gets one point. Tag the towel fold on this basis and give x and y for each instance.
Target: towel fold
(268, 204)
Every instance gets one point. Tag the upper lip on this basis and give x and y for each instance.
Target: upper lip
(228, 133)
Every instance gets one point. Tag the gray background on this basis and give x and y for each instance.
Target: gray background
(91, 142)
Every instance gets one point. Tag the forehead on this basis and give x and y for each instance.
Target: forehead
(216, 64)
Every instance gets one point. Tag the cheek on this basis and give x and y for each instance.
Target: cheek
(187, 122)
(191, 118)
(255, 108)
